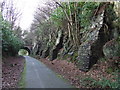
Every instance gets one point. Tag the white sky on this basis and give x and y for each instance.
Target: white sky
(27, 8)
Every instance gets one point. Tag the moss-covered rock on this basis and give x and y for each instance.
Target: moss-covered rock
(59, 44)
(91, 48)
(112, 49)
(54, 53)
(45, 53)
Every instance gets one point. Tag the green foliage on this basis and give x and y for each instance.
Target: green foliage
(21, 83)
(88, 82)
(102, 59)
(10, 43)
(87, 12)
(112, 16)
(103, 83)
(109, 70)
(107, 83)
(23, 52)
(75, 55)
(57, 16)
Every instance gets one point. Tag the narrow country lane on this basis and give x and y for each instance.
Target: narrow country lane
(40, 76)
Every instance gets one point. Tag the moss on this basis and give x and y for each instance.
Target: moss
(75, 55)
(59, 58)
(65, 57)
(109, 70)
(102, 59)
(21, 83)
(87, 82)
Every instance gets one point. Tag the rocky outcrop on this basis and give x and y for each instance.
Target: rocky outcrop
(67, 47)
(41, 49)
(54, 53)
(59, 44)
(45, 53)
(117, 8)
(91, 48)
(112, 49)
(112, 52)
(38, 50)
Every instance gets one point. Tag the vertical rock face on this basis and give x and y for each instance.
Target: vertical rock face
(91, 48)
(54, 53)
(42, 49)
(57, 47)
(45, 53)
(38, 49)
(117, 8)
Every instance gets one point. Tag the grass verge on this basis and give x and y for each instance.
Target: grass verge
(21, 83)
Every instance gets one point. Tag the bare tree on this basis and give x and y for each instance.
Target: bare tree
(10, 12)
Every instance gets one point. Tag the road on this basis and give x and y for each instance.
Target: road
(40, 76)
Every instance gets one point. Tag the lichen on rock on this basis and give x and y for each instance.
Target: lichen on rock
(112, 49)
(91, 48)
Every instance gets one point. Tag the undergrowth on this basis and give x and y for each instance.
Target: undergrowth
(103, 83)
